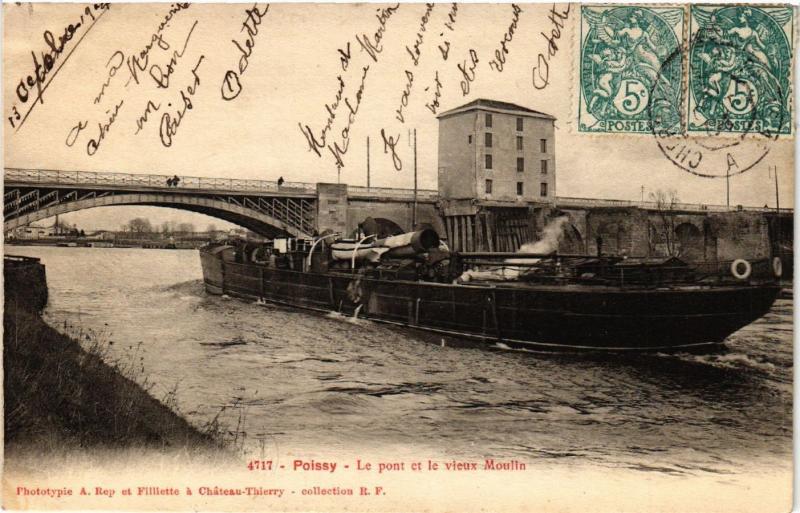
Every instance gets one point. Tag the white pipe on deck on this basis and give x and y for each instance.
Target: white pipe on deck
(355, 250)
(308, 260)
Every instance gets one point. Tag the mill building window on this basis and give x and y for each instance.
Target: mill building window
(520, 164)
(488, 186)
(543, 189)
(543, 144)
(520, 188)
(488, 139)
(519, 142)
(488, 121)
(488, 162)
(519, 124)
(544, 167)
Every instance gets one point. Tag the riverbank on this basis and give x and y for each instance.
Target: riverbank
(113, 243)
(61, 395)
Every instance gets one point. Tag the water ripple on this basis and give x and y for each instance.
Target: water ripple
(312, 380)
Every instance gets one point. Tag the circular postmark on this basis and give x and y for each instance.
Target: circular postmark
(737, 100)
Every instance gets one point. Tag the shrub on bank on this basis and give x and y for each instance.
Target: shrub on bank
(58, 393)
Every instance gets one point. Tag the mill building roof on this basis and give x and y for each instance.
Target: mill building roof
(495, 106)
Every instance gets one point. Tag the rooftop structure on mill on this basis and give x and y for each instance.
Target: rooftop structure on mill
(496, 151)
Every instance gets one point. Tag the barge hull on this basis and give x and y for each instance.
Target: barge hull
(546, 317)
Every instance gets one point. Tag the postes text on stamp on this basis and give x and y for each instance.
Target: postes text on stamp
(625, 70)
(740, 66)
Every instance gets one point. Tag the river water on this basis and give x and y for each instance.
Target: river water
(292, 379)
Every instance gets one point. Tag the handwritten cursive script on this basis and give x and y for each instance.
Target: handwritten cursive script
(414, 51)
(103, 128)
(338, 150)
(541, 72)
(139, 62)
(231, 82)
(468, 71)
(433, 105)
(373, 46)
(499, 61)
(45, 71)
(169, 125)
(162, 76)
(389, 145)
(318, 143)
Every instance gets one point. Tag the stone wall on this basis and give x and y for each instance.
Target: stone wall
(740, 235)
(399, 212)
(332, 207)
(694, 237)
(631, 231)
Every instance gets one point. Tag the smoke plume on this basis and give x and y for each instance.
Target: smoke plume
(552, 233)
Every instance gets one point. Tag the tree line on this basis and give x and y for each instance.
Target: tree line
(142, 225)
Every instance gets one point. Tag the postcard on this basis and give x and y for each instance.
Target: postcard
(398, 257)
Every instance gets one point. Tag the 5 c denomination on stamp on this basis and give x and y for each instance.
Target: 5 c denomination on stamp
(740, 67)
(625, 73)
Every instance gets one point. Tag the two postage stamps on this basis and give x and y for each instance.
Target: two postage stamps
(686, 70)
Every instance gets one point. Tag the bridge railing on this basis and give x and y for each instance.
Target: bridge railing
(49, 176)
(652, 205)
(390, 192)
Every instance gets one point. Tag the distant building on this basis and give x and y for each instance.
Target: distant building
(212, 235)
(32, 232)
(101, 235)
(244, 233)
(497, 151)
(497, 174)
(238, 232)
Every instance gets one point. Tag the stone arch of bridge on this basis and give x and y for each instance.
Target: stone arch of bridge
(614, 235)
(573, 239)
(253, 220)
(691, 241)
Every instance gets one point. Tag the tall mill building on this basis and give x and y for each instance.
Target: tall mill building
(496, 174)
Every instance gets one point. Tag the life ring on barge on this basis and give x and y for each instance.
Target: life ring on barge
(777, 267)
(741, 269)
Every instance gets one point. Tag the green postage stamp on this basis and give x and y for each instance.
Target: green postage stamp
(738, 59)
(631, 69)
(740, 68)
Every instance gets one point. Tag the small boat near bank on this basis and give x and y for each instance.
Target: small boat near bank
(535, 300)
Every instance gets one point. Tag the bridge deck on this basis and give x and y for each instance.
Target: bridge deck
(196, 185)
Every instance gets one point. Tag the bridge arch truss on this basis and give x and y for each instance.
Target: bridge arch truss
(263, 207)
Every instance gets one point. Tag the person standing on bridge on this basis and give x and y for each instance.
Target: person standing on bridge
(280, 181)
(175, 181)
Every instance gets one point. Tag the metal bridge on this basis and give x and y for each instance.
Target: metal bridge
(262, 206)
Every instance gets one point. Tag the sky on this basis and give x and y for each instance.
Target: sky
(286, 68)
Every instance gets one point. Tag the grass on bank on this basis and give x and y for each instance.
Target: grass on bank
(59, 394)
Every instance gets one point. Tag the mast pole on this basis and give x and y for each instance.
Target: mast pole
(414, 214)
(728, 188)
(777, 216)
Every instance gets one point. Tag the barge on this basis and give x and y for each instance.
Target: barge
(534, 300)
